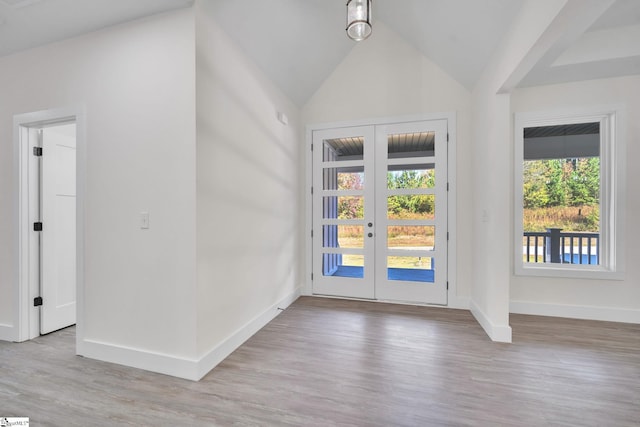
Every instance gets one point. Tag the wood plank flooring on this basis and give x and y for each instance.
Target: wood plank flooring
(327, 362)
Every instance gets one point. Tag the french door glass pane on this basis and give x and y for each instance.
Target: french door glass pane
(343, 207)
(343, 265)
(343, 178)
(410, 269)
(419, 206)
(419, 144)
(411, 176)
(411, 237)
(350, 180)
(341, 149)
(343, 236)
(353, 260)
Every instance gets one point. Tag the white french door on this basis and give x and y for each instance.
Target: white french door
(343, 212)
(380, 212)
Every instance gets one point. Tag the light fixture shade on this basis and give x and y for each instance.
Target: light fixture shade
(358, 19)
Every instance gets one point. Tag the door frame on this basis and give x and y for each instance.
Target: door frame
(26, 319)
(450, 117)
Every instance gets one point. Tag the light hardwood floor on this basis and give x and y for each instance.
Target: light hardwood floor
(329, 362)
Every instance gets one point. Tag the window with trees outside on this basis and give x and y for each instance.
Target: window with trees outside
(567, 215)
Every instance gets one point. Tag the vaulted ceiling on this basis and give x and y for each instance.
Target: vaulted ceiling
(28, 23)
(298, 43)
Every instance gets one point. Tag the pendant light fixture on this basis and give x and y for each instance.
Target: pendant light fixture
(358, 19)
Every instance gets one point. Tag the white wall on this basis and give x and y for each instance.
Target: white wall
(597, 299)
(163, 299)
(386, 77)
(136, 83)
(491, 213)
(492, 166)
(248, 194)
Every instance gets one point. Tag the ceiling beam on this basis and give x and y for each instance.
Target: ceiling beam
(594, 46)
(571, 22)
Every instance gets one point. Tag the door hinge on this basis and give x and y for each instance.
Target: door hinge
(311, 147)
(311, 233)
(447, 186)
(447, 285)
(311, 190)
(37, 301)
(37, 151)
(311, 276)
(447, 136)
(447, 235)
(37, 226)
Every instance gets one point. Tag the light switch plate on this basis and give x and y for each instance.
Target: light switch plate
(144, 220)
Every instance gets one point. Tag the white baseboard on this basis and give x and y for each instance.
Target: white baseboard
(607, 314)
(141, 359)
(190, 369)
(498, 333)
(217, 354)
(7, 333)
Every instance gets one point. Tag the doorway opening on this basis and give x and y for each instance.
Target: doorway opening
(50, 221)
(379, 212)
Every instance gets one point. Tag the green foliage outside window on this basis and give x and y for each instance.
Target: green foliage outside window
(405, 205)
(562, 193)
(561, 182)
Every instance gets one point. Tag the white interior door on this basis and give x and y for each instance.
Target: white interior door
(58, 235)
(411, 212)
(380, 212)
(343, 212)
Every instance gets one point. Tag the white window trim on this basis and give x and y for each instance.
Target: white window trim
(612, 192)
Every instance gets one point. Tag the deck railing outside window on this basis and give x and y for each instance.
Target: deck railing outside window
(555, 246)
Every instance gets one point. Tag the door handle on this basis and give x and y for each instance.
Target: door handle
(370, 234)
(370, 224)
